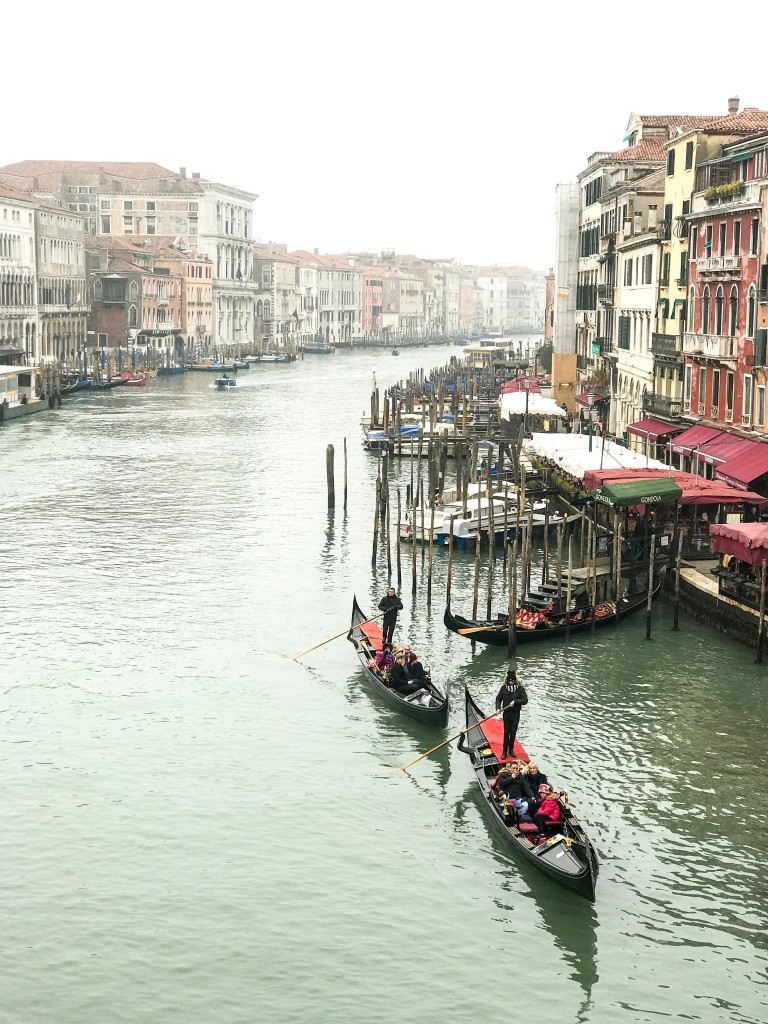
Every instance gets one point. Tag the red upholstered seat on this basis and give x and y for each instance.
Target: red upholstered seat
(528, 828)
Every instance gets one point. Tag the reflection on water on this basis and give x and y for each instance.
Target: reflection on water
(191, 812)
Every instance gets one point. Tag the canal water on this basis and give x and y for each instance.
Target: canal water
(197, 828)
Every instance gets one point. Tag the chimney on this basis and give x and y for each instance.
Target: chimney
(652, 215)
(182, 172)
(316, 252)
(733, 106)
(637, 216)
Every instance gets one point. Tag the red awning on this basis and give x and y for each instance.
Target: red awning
(696, 490)
(518, 384)
(583, 400)
(746, 541)
(693, 437)
(722, 449)
(652, 429)
(742, 469)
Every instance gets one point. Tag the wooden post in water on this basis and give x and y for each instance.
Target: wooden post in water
(761, 620)
(329, 476)
(399, 518)
(491, 542)
(678, 559)
(593, 569)
(423, 535)
(512, 610)
(450, 565)
(388, 534)
(617, 565)
(477, 572)
(545, 563)
(345, 474)
(431, 542)
(568, 590)
(649, 603)
(377, 506)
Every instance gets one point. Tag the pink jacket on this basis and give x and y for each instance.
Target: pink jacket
(550, 809)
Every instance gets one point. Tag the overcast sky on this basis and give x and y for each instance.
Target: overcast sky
(439, 128)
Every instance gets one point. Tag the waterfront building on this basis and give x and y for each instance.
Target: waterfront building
(145, 199)
(549, 307)
(62, 293)
(372, 300)
(307, 294)
(278, 301)
(18, 286)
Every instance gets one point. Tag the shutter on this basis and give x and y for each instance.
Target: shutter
(761, 343)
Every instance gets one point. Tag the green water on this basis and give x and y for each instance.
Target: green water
(197, 828)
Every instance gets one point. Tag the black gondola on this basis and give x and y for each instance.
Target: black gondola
(367, 638)
(544, 625)
(565, 855)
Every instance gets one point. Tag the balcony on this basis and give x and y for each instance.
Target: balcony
(667, 345)
(711, 346)
(749, 195)
(605, 294)
(661, 405)
(762, 295)
(719, 265)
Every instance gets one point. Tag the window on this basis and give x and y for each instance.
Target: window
(150, 204)
(150, 225)
(733, 308)
(664, 271)
(729, 395)
(193, 227)
(114, 289)
(754, 236)
(691, 308)
(751, 312)
(624, 328)
(687, 390)
(192, 207)
(716, 389)
(128, 225)
(719, 297)
(705, 312)
(694, 243)
(134, 291)
(133, 317)
(736, 237)
(760, 405)
(683, 268)
(648, 267)
(628, 272)
(721, 249)
(671, 162)
(127, 204)
(702, 389)
(688, 155)
(746, 400)
(102, 341)
(105, 204)
(106, 225)
(708, 240)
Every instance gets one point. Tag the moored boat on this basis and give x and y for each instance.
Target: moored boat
(222, 383)
(211, 366)
(131, 379)
(366, 637)
(545, 619)
(563, 852)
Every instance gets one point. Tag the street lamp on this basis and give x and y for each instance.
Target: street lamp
(527, 395)
(590, 403)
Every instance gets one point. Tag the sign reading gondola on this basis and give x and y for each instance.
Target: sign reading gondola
(638, 492)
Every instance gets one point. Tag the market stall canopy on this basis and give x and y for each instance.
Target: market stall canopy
(696, 490)
(571, 454)
(723, 448)
(514, 404)
(518, 384)
(742, 469)
(639, 492)
(746, 541)
(583, 398)
(693, 437)
(652, 429)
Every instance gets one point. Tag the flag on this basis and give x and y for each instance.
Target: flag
(68, 296)
(78, 296)
(296, 315)
(238, 275)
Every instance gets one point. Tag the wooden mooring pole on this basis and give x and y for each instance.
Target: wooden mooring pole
(329, 476)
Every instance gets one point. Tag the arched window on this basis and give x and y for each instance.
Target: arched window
(733, 311)
(133, 291)
(719, 310)
(97, 289)
(751, 312)
(705, 311)
(133, 317)
(266, 309)
(691, 308)
(259, 308)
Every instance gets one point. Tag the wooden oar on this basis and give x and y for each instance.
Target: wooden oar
(449, 740)
(479, 629)
(344, 632)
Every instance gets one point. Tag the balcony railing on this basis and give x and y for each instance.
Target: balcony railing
(718, 264)
(661, 405)
(605, 294)
(666, 345)
(712, 346)
(714, 412)
(746, 196)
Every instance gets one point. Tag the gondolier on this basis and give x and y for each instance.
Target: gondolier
(390, 604)
(511, 697)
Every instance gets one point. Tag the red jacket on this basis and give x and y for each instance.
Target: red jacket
(549, 808)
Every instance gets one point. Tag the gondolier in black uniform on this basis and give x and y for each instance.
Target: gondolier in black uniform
(390, 604)
(511, 698)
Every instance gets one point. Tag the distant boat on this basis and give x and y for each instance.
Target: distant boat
(130, 379)
(211, 366)
(224, 382)
(395, 351)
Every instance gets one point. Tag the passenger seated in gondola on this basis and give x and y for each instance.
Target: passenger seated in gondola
(548, 813)
(385, 659)
(512, 785)
(413, 666)
(535, 779)
(399, 681)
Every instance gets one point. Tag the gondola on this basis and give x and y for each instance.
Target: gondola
(367, 639)
(564, 854)
(540, 624)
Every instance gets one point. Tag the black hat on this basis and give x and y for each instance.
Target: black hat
(511, 676)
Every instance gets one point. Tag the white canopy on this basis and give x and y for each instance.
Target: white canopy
(571, 453)
(513, 404)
